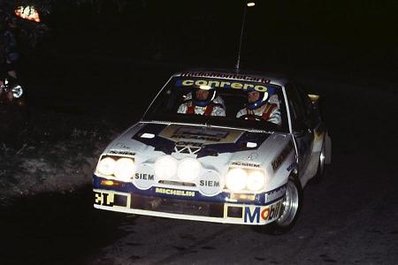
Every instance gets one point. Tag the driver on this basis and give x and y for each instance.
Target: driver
(203, 101)
(258, 106)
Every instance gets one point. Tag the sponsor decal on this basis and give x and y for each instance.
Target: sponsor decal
(144, 176)
(199, 137)
(275, 194)
(182, 193)
(256, 215)
(190, 144)
(245, 164)
(282, 156)
(122, 152)
(120, 147)
(102, 198)
(209, 183)
(221, 84)
(194, 134)
(226, 76)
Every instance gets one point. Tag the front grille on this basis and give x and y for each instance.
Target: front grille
(120, 200)
(177, 183)
(234, 212)
(177, 206)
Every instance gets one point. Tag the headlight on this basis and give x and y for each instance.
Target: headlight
(17, 91)
(106, 166)
(124, 169)
(255, 180)
(165, 167)
(236, 179)
(188, 169)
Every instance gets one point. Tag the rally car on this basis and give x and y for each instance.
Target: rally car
(218, 166)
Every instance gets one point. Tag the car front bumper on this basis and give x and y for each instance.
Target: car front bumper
(179, 204)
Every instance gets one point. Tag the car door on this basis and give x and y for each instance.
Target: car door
(302, 126)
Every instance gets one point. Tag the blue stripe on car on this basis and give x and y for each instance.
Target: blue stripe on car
(168, 146)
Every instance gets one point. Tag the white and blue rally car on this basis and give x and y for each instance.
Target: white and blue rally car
(217, 168)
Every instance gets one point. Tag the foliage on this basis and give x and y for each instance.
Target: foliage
(30, 33)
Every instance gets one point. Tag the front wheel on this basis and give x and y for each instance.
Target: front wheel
(320, 172)
(290, 209)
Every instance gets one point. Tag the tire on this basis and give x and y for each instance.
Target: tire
(290, 210)
(320, 172)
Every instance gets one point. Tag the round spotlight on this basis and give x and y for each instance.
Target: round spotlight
(106, 166)
(124, 169)
(236, 179)
(188, 169)
(165, 167)
(255, 181)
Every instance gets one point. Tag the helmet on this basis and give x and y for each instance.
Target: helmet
(269, 95)
(203, 95)
(262, 99)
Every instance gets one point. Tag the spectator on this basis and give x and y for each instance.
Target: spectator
(8, 48)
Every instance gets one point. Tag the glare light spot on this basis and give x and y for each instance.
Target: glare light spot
(106, 166)
(251, 145)
(188, 169)
(124, 169)
(255, 181)
(236, 179)
(205, 87)
(27, 12)
(165, 167)
(147, 135)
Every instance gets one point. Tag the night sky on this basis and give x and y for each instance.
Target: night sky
(358, 36)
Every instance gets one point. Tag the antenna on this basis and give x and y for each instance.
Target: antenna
(247, 4)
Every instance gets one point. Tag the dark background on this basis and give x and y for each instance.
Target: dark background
(353, 35)
(102, 48)
(97, 69)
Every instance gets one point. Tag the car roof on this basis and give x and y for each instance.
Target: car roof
(233, 74)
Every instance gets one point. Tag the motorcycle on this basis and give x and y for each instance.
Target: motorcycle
(11, 93)
(13, 109)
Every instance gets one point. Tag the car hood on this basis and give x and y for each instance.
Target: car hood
(215, 147)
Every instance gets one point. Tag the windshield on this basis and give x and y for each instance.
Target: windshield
(212, 101)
